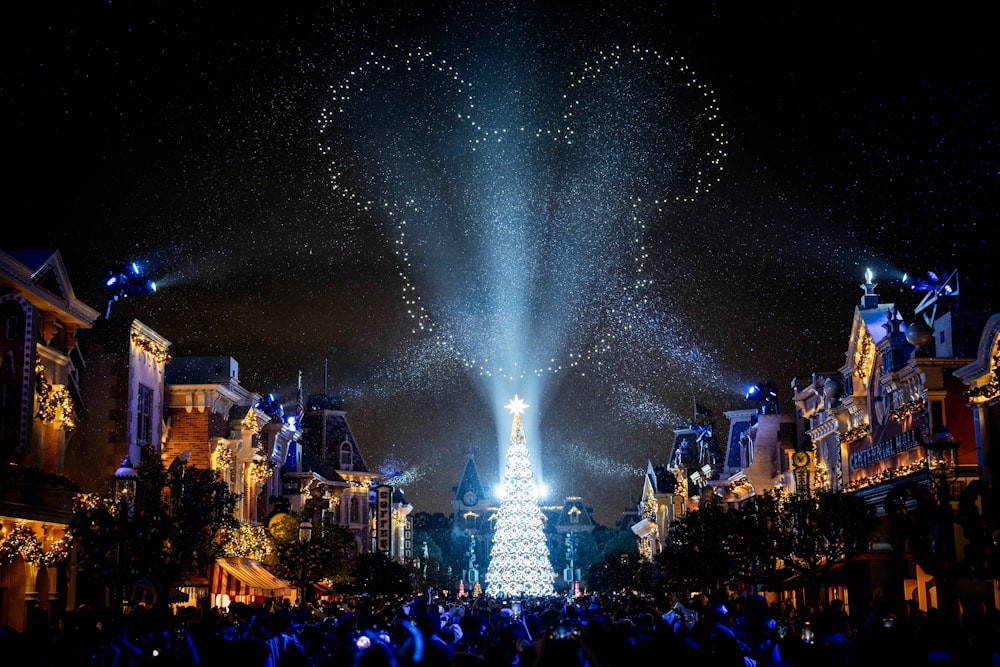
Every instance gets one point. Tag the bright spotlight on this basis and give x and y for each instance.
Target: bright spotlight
(541, 490)
(126, 281)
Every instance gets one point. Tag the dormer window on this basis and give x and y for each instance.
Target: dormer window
(346, 456)
(574, 515)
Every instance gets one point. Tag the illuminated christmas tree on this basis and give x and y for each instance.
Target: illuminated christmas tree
(519, 560)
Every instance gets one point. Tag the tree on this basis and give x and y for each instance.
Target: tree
(697, 550)
(326, 555)
(620, 542)
(818, 531)
(167, 531)
(378, 573)
(614, 573)
(758, 540)
(446, 549)
(519, 560)
(585, 550)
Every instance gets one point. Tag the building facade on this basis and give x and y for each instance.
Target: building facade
(41, 402)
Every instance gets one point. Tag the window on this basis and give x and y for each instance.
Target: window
(7, 367)
(471, 519)
(144, 416)
(11, 327)
(355, 516)
(346, 456)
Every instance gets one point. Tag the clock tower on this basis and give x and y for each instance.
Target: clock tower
(469, 504)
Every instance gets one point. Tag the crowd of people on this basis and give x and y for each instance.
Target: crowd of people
(589, 631)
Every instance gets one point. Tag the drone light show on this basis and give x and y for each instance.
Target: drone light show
(519, 203)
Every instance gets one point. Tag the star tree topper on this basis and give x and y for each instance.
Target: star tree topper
(516, 405)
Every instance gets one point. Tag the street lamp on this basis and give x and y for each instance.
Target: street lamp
(123, 487)
(123, 484)
(942, 454)
(305, 531)
(942, 464)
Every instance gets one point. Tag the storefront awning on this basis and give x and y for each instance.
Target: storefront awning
(246, 577)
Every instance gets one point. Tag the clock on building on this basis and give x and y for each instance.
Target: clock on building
(800, 459)
(470, 498)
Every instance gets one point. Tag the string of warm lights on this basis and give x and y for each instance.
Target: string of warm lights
(261, 471)
(54, 403)
(22, 541)
(886, 475)
(248, 542)
(251, 423)
(151, 347)
(224, 457)
(855, 434)
(866, 354)
(991, 389)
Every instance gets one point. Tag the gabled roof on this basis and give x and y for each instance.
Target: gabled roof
(470, 479)
(574, 506)
(42, 278)
(322, 454)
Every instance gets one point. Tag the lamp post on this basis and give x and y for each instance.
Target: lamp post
(305, 531)
(942, 465)
(123, 484)
(123, 488)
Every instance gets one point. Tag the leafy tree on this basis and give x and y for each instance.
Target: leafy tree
(620, 572)
(326, 555)
(447, 550)
(822, 530)
(620, 542)
(377, 573)
(757, 543)
(166, 532)
(697, 550)
(587, 551)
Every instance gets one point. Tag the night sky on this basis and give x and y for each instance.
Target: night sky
(610, 210)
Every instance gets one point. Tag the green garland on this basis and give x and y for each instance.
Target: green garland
(22, 541)
(855, 434)
(154, 349)
(261, 471)
(53, 402)
(224, 456)
(908, 409)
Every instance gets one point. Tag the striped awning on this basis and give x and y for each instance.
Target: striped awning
(239, 577)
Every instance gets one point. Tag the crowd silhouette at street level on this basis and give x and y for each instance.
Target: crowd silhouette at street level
(588, 631)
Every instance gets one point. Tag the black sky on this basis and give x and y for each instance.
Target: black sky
(183, 134)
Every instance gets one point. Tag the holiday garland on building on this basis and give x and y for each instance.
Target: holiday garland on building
(22, 541)
(261, 471)
(519, 560)
(224, 456)
(151, 347)
(53, 402)
(649, 508)
(247, 542)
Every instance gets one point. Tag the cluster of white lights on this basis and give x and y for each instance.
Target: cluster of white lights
(519, 557)
(606, 65)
